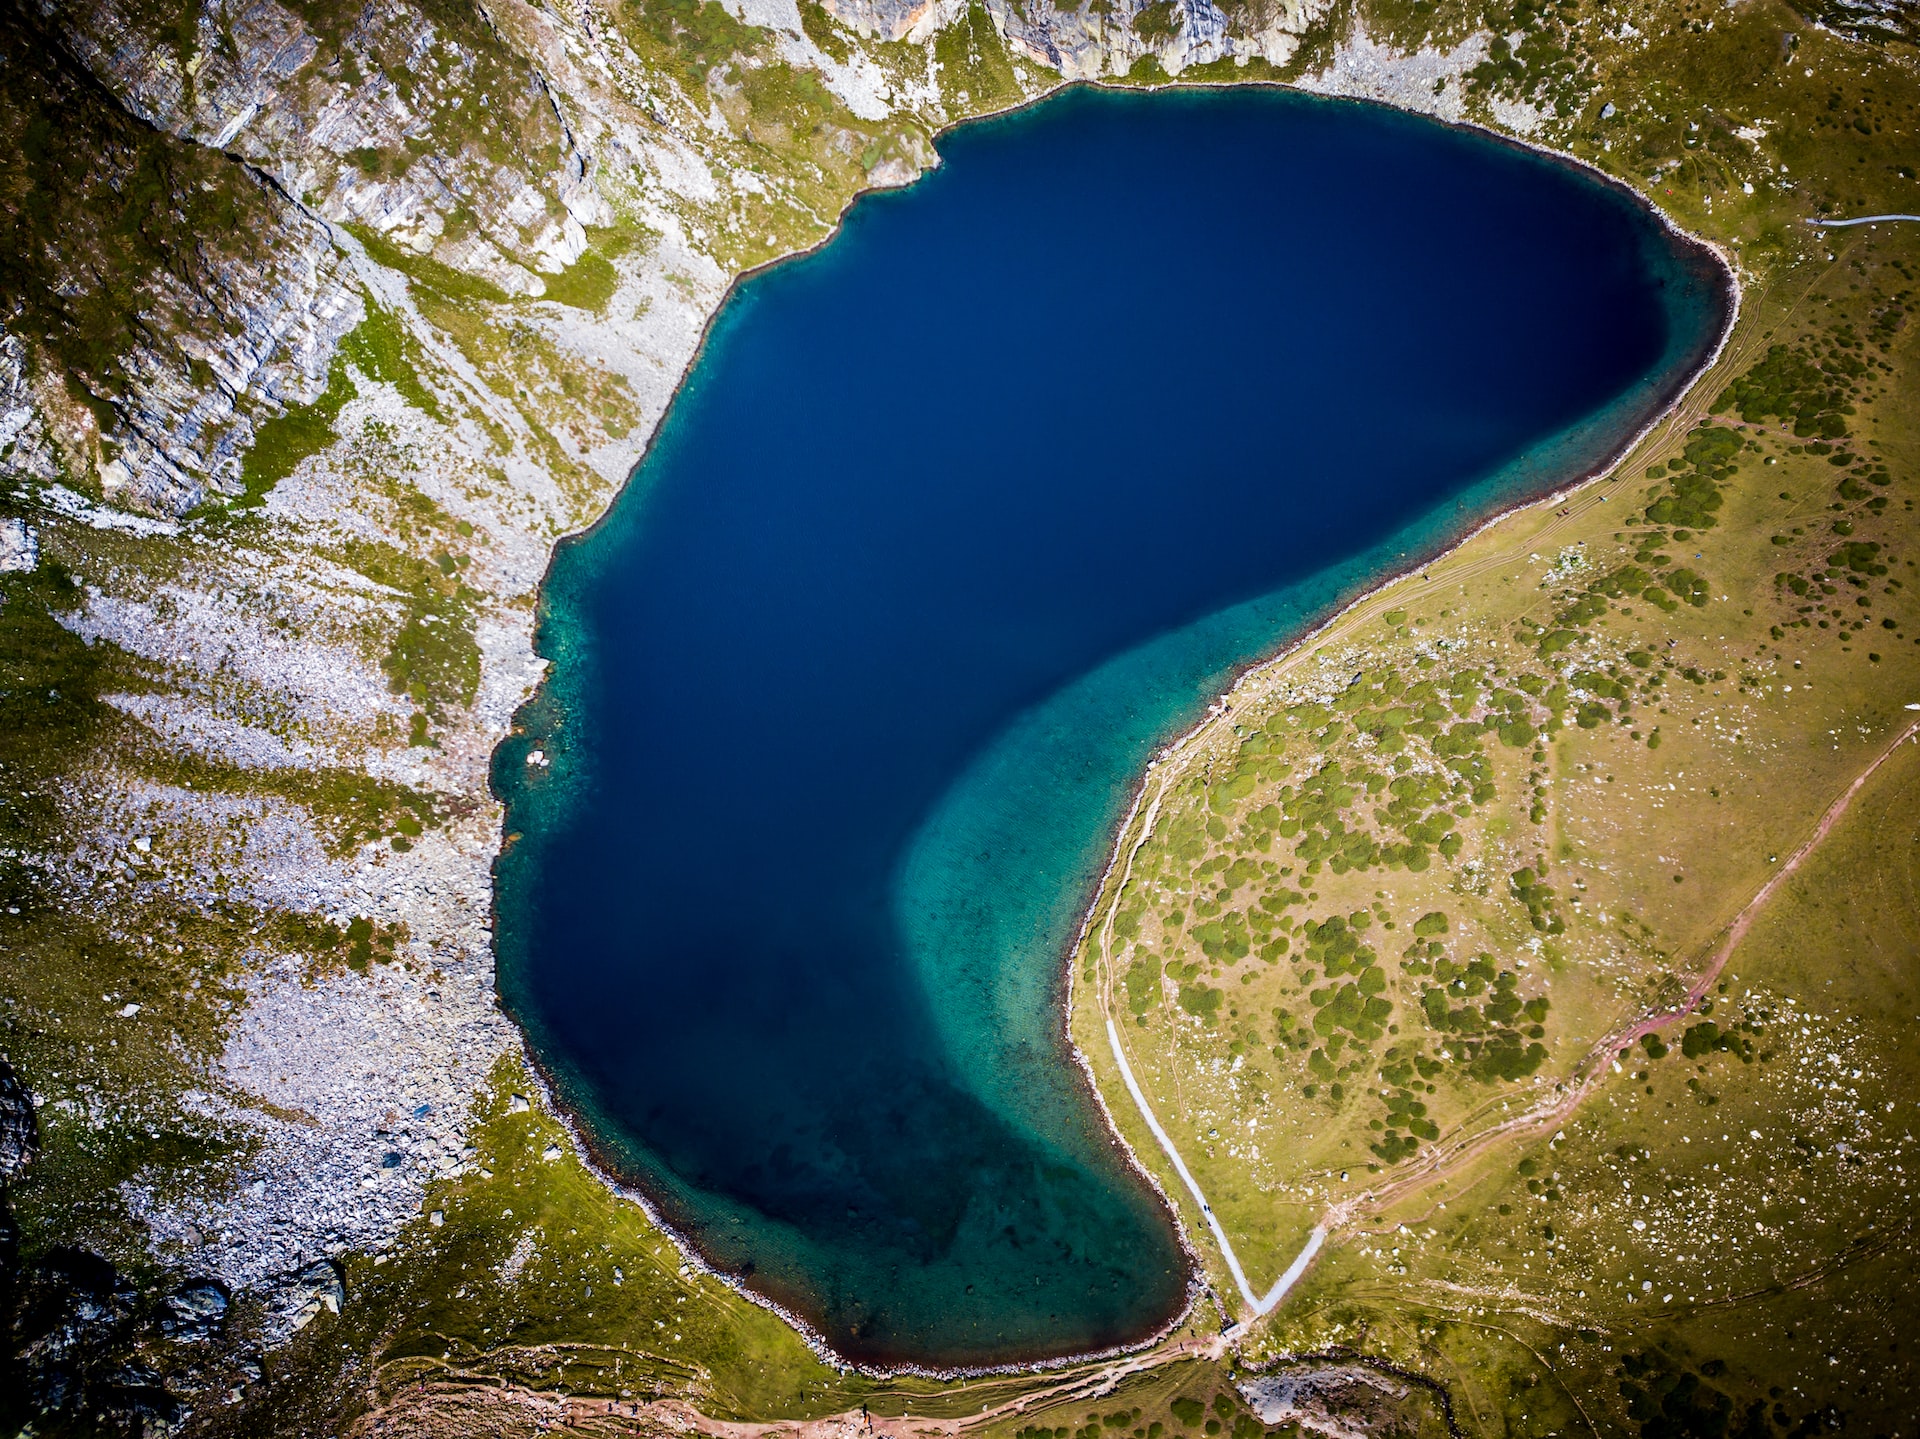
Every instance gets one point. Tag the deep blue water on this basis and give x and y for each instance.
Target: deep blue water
(953, 522)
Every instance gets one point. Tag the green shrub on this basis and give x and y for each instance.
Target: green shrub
(1201, 1000)
(1143, 983)
(1788, 386)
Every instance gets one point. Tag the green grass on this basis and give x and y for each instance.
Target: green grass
(1348, 940)
(1590, 813)
(1157, 23)
(432, 657)
(587, 284)
(1692, 1270)
(601, 1303)
(385, 351)
(425, 270)
(692, 36)
(281, 443)
(820, 28)
(974, 59)
(110, 1084)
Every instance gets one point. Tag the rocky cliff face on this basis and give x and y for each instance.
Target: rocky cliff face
(1094, 41)
(1871, 20)
(417, 122)
(157, 295)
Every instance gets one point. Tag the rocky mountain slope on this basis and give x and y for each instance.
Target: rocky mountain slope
(320, 322)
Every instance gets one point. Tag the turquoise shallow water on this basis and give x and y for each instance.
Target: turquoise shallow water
(955, 521)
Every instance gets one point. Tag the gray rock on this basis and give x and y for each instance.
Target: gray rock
(24, 447)
(888, 19)
(74, 1325)
(19, 1127)
(1334, 1400)
(321, 1286)
(1867, 19)
(196, 1311)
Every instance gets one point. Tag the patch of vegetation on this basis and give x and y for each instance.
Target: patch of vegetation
(433, 658)
(821, 28)
(50, 708)
(109, 1076)
(973, 59)
(1694, 481)
(1159, 22)
(795, 99)
(281, 443)
(425, 270)
(1789, 386)
(587, 284)
(385, 351)
(697, 35)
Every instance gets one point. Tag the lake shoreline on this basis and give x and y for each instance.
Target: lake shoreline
(600, 1159)
(1177, 750)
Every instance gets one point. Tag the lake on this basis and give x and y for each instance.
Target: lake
(953, 523)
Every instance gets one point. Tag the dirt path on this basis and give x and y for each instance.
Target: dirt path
(1692, 407)
(449, 1404)
(1445, 1157)
(1435, 1162)
(1593, 1069)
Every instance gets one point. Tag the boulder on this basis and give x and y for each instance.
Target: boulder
(19, 1126)
(318, 1287)
(195, 1311)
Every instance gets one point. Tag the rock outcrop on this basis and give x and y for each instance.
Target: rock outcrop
(19, 1129)
(161, 299)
